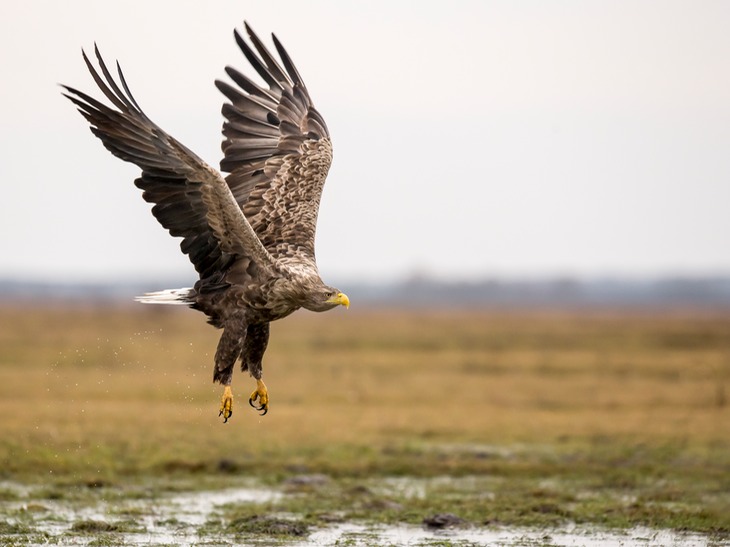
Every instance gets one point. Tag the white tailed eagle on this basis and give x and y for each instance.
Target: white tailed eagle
(250, 234)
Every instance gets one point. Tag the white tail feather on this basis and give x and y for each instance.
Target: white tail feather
(169, 296)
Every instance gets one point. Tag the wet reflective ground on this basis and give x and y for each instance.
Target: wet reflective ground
(95, 515)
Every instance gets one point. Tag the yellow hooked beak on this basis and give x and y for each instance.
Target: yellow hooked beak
(340, 299)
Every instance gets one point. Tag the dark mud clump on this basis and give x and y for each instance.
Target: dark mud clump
(443, 520)
(94, 526)
(261, 524)
(91, 526)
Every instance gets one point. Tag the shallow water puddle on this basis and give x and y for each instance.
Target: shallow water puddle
(165, 520)
(406, 536)
(177, 519)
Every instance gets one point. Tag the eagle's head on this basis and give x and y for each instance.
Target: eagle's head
(323, 298)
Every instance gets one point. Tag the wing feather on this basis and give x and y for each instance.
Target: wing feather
(272, 66)
(249, 126)
(256, 63)
(290, 68)
(248, 85)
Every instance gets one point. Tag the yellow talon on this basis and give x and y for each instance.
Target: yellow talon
(226, 404)
(262, 394)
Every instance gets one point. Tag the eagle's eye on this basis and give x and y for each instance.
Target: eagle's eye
(329, 294)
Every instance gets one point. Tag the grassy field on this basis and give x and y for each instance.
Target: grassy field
(608, 418)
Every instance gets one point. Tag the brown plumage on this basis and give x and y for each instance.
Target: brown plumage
(250, 235)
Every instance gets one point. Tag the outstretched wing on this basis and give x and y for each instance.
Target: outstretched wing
(277, 150)
(192, 200)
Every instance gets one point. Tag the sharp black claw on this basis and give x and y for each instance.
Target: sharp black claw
(265, 408)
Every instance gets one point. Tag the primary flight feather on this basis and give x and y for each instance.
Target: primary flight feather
(250, 235)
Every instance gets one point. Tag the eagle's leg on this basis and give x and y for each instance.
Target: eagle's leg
(229, 348)
(257, 338)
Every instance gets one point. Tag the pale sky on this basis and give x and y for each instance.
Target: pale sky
(511, 138)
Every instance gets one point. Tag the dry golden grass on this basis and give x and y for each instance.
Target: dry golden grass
(129, 388)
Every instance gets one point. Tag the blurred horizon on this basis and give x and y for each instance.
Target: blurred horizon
(419, 290)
